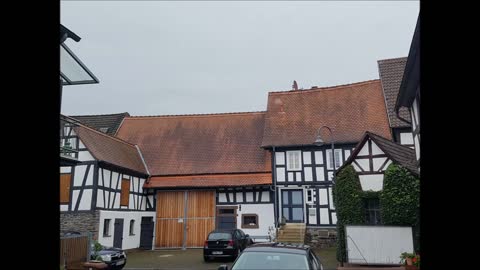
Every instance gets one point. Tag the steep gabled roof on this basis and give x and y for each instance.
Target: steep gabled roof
(400, 154)
(110, 149)
(391, 74)
(293, 117)
(106, 123)
(199, 144)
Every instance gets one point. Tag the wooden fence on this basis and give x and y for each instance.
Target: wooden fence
(74, 250)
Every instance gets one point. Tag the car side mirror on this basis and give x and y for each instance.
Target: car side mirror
(246, 235)
(223, 267)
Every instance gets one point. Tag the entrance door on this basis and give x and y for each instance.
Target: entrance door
(118, 233)
(146, 233)
(292, 205)
(226, 217)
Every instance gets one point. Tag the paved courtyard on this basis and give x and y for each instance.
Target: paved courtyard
(193, 259)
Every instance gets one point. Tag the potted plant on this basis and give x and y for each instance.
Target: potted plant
(97, 262)
(410, 260)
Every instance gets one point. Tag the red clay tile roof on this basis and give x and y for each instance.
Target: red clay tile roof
(110, 149)
(225, 180)
(199, 144)
(294, 117)
(391, 75)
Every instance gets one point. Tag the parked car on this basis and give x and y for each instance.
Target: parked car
(225, 243)
(115, 258)
(276, 256)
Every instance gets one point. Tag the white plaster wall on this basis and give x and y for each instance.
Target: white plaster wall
(265, 218)
(347, 154)
(86, 200)
(78, 177)
(357, 169)
(364, 150)
(330, 195)
(129, 241)
(116, 203)
(106, 177)
(74, 198)
(265, 196)
(280, 158)
(324, 217)
(290, 177)
(65, 169)
(386, 165)
(372, 182)
(323, 199)
(115, 181)
(249, 196)
(406, 138)
(334, 218)
(364, 163)
(308, 174)
(318, 157)
(320, 174)
(298, 176)
(100, 198)
(91, 172)
(330, 175)
(239, 196)
(377, 162)
(280, 175)
(63, 207)
(307, 157)
(417, 148)
(131, 201)
(222, 197)
(375, 149)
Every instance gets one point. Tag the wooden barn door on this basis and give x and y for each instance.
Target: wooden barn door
(200, 217)
(184, 218)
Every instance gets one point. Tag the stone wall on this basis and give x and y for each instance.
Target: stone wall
(80, 222)
(321, 237)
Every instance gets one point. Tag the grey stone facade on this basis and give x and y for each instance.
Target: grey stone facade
(80, 222)
(321, 237)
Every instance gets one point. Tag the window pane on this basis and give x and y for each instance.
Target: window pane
(285, 197)
(285, 213)
(297, 213)
(337, 158)
(297, 197)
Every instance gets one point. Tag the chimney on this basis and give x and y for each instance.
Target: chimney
(294, 86)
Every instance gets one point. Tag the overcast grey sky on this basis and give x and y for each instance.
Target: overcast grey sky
(159, 57)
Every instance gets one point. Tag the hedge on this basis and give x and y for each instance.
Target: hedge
(400, 199)
(347, 196)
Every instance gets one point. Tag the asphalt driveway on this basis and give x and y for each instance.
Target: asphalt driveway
(177, 259)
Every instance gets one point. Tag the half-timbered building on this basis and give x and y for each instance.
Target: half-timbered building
(207, 171)
(391, 74)
(302, 171)
(101, 188)
(409, 94)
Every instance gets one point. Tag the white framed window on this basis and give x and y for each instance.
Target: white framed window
(309, 196)
(294, 160)
(338, 159)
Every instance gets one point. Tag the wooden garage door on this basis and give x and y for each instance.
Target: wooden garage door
(172, 222)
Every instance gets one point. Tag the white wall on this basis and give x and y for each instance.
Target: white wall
(265, 218)
(373, 182)
(377, 244)
(84, 155)
(129, 241)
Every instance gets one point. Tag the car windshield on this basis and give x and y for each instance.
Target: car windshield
(270, 260)
(219, 236)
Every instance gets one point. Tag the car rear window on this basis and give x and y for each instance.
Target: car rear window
(219, 236)
(271, 260)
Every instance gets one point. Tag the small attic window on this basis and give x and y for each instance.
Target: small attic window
(104, 129)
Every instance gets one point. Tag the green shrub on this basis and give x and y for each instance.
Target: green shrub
(347, 196)
(400, 200)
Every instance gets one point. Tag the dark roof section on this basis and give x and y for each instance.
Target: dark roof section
(411, 76)
(294, 117)
(199, 144)
(111, 150)
(106, 123)
(400, 154)
(391, 74)
(67, 33)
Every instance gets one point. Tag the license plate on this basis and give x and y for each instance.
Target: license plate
(217, 252)
(120, 262)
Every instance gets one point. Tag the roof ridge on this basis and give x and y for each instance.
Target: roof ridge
(73, 116)
(334, 87)
(390, 59)
(193, 115)
(106, 135)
